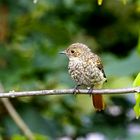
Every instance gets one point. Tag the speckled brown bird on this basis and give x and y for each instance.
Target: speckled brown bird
(85, 68)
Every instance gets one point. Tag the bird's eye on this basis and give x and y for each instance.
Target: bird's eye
(72, 51)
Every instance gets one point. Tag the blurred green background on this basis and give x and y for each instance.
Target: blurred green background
(31, 35)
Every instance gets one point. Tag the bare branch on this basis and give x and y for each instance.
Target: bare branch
(16, 117)
(12, 94)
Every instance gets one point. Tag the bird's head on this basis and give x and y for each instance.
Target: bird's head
(76, 50)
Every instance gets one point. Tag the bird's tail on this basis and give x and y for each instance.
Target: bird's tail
(98, 102)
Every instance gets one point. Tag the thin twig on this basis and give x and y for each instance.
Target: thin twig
(16, 117)
(12, 94)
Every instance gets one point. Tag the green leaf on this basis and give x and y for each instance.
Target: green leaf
(100, 2)
(18, 137)
(137, 80)
(41, 137)
(137, 97)
(124, 1)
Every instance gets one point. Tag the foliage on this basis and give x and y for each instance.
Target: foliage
(137, 96)
(31, 35)
(100, 2)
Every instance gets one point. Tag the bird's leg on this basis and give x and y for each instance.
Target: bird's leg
(90, 90)
(76, 89)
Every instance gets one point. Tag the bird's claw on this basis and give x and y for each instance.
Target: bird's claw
(90, 91)
(76, 90)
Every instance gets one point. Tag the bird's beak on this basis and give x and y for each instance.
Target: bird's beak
(62, 52)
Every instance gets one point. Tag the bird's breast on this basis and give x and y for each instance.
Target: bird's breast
(84, 73)
(76, 70)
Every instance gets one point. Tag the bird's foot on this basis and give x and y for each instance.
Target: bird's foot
(76, 90)
(90, 91)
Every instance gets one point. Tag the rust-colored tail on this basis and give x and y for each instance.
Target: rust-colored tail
(98, 102)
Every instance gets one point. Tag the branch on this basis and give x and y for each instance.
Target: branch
(16, 117)
(12, 94)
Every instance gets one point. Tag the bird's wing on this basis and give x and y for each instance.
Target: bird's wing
(95, 58)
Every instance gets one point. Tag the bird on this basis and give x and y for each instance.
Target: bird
(86, 69)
